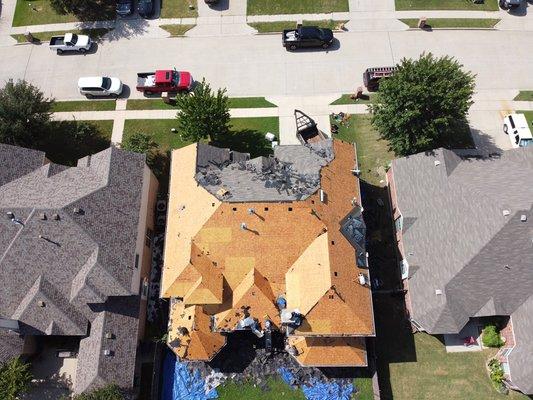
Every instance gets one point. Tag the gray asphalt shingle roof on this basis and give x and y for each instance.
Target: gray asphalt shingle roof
(464, 235)
(68, 259)
(520, 358)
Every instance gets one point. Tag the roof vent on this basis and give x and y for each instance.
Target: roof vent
(55, 217)
(41, 303)
(363, 280)
(78, 211)
(108, 353)
(323, 196)
(10, 215)
(437, 163)
(523, 218)
(251, 211)
(438, 292)
(356, 171)
(506, 213)
(243, 226)
(42, 216)
(109, 335)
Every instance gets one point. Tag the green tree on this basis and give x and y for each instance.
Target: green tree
(204, 114)
(24, 114)
(15, 378)
(423, 104)
(139, 142)
(491, 336)
(109, 392)
(85, 10)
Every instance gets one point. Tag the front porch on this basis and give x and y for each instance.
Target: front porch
(469, 339)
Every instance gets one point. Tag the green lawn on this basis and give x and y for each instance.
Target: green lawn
(84, 105)
(524, 95)
(36, 12)
(178, 9)
(279, 26)
(276, 7)
(372, 151)
(364, 389)
(234, 102)
(436, 23)
(176, 29)
(489, 5)
(65, 148)
(345, 99)
(95, 34)
(159, 129)
(247, 391)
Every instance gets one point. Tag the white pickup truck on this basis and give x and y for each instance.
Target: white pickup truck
(70, 42)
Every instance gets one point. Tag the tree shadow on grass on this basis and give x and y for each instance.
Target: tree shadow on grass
(245, 141)
(68, 141)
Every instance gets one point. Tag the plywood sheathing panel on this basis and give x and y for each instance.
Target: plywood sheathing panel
(330, 351)
(189, 207)
(309, 277)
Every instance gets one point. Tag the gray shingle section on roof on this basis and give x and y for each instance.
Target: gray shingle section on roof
(82, 257)
(119, 318)
(459, 241)
(520, 363)
(292, 173)
(18, 161)
(11, 345)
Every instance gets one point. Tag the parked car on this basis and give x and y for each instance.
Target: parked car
(70, 42)
(307, 36)
(100, 86)
(372, 76)
(509, 4)
(515, 125)
(164, 80)
(145, 8)
(211, 2)
(124, 7)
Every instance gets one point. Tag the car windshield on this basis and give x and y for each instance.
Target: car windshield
(74, 38)
(526, 142)
(175, 78)
(106, 82)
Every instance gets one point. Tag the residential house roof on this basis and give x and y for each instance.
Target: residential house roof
(520, 364)
(233, 248)
(67, 251)
(467, 231)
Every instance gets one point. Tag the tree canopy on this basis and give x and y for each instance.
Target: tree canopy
(24, 114)
(109, 392)
(424, 104)
(15, 378)
(139, 142)
(203, 114)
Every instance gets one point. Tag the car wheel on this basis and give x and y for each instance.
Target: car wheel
(89, 96)
(506, 129)
(292, 47)
(82, 51)
(325, 45)
(148, 93)
(59, 51)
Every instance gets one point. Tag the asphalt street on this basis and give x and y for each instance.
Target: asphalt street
(258, 65)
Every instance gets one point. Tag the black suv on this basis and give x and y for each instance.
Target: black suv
(124, 7)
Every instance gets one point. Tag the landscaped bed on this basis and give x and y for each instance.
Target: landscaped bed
(178, 9)
(279, 26)
(278, 7)
(488, 5)
(234, 102)
(84, 105)
(436, 23)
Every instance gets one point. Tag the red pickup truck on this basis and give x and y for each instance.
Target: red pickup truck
(164, 80)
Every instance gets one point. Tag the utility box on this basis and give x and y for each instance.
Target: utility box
(29, 36)
(422, 22)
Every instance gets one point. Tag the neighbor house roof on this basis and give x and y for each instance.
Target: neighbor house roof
(68, 238)
(467, 231)
(243, 238)
(520, 364)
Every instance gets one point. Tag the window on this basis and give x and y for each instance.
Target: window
(398, 223)
(106, 82)
(507, 351)
(136, 261)
(516, 139)
(512, 122)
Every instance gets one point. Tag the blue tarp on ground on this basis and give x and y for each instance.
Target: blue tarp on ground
(180, 384)
(318, 390)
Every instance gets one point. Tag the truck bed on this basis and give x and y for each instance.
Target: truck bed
(289, 35)
(146, 79)
(57, 40)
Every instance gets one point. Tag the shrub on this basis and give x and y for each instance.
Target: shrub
(496, 373)
(15, 378)
(491, 336)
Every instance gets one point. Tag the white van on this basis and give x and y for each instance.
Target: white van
(100, 86)
(515, 125)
